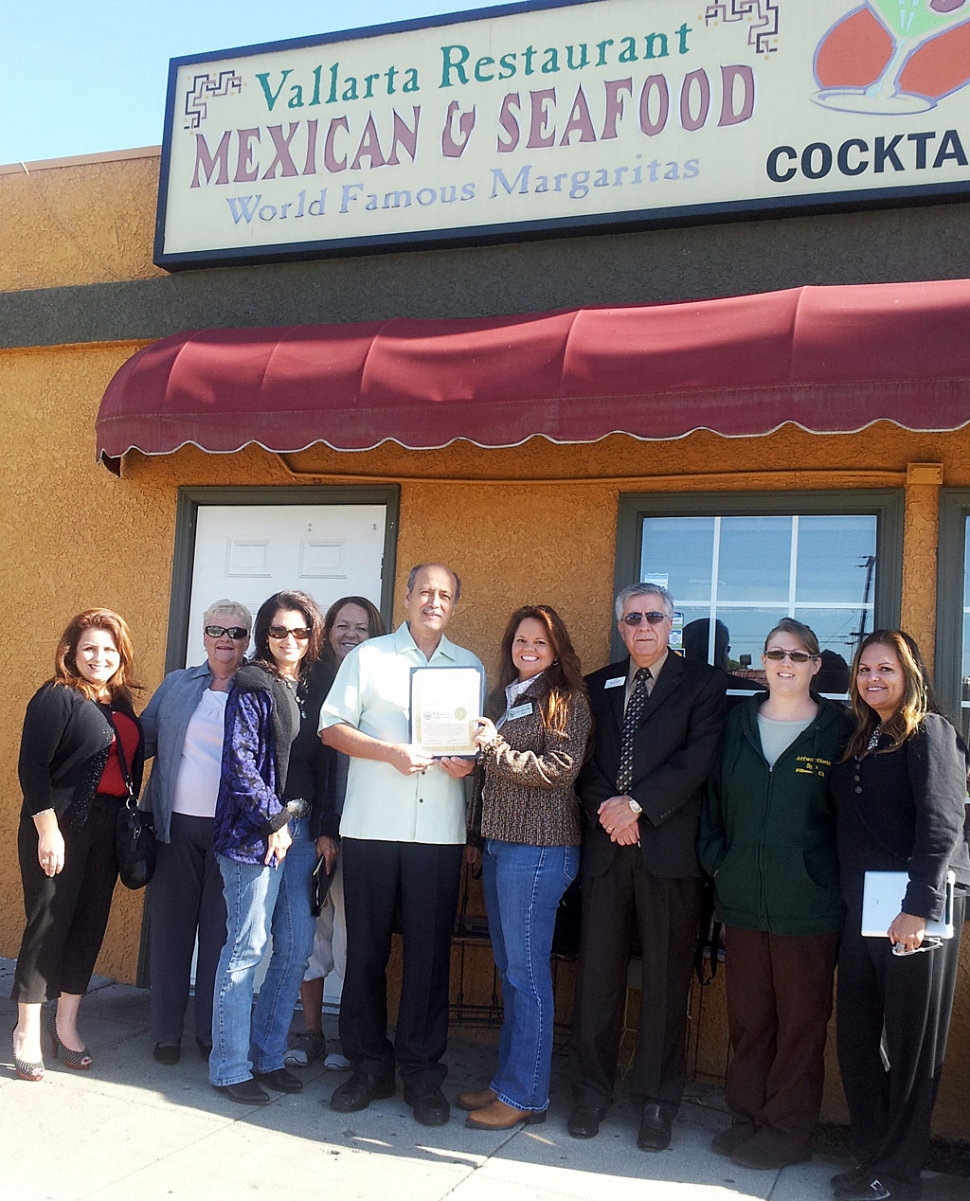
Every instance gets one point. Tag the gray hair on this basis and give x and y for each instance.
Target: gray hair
(644, 589)
(231, 608)
(413, 575)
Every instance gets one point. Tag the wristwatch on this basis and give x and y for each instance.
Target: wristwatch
(634, 807)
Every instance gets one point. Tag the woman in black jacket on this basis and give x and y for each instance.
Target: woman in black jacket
(900, 793)
(74, 778)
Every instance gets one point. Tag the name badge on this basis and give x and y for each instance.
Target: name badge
(616, 682)
(522, 710)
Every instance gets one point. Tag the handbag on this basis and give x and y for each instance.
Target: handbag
(134, 832)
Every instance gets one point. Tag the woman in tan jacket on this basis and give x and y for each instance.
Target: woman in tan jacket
(532, 752)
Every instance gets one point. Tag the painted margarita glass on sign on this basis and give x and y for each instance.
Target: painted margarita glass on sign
(894, 56)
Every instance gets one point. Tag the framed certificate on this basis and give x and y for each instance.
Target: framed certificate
(446, 703)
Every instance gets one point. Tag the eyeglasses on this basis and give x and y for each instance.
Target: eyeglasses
(795, 656)
(234, 632)
(634, 619)
(281, 633)
(928, 944)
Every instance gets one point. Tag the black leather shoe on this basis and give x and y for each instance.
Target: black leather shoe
(584, 1121)
(167, 1053)
(654, 1132)
(428, 1103)
(205, 1049)
(359, 1090)
(870, 1188)
(247, 1092)
(750, 1155)
(280, 1081)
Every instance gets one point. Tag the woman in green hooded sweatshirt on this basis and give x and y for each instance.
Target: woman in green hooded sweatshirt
(768, 840)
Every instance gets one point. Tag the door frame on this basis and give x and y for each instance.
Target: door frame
(188, 503)
(186, 524)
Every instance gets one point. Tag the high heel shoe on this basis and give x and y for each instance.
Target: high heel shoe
(79, 1060)
(27, 1071)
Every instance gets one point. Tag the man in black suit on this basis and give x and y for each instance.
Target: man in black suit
(658, 717)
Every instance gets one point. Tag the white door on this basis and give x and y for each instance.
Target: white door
(248, 552)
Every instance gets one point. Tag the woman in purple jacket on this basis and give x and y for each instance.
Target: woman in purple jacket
(255, 831)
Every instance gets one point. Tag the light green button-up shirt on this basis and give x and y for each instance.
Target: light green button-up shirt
(372, 693)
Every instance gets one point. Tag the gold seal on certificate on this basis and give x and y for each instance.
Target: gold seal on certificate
(446, 703)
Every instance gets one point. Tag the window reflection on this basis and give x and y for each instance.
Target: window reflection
(744, 573)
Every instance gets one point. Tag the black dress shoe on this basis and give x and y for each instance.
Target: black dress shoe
(205, 1049)
(247, 1092)
(870, 1188)
(584, 1121)
(428, 1103)
(280, 1081)
(359, 1090)
(654, 1132)
(167, 1053)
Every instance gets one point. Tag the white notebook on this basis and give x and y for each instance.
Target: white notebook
(883, 897)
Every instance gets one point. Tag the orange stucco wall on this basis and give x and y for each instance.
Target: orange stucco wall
(537, 522)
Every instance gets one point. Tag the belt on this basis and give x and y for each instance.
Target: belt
(299, 807)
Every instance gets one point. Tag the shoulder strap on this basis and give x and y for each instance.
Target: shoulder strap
(122, 757)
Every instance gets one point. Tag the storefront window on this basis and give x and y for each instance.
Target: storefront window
(734, 574)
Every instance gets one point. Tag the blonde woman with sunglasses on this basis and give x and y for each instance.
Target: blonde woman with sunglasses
(768, 840)
(265, 853)
(900, 793)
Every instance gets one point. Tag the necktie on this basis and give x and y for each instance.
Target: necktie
(634, 711)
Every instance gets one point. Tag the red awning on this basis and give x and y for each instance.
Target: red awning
(831, 360)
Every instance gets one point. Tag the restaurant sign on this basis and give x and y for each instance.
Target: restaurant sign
(540, 117)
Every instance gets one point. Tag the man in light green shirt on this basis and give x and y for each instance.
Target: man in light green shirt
(402, 838)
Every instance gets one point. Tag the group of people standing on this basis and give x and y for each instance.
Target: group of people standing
(629, 777)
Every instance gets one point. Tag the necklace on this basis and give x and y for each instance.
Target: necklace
(874, 739)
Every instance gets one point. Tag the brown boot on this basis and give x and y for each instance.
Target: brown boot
(499, 1116)
(484, 1096)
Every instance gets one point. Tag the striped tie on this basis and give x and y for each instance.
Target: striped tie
(634, 711)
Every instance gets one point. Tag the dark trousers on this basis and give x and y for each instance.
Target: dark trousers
(185, 897)
(907, 1001)
(67, 914)
(417, 882)
(624, 900)
(779, 999)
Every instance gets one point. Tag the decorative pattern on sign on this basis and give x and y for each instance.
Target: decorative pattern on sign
(763, 15)
(205, 88)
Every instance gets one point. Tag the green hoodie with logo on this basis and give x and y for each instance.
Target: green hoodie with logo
(767, 835)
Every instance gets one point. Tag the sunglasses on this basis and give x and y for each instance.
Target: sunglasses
(234, 632)
(795, 656)
(634, 619)
(281, 633)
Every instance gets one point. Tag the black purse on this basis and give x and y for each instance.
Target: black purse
(134, 832)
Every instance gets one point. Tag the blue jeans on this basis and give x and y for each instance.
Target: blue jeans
(261, 900)
(523, 888)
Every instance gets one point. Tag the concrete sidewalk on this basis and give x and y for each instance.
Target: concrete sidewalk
(131, 1128)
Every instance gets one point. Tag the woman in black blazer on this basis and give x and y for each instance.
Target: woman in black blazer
(74, 777)
(900, 795)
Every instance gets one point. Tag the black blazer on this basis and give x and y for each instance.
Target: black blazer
(673, 755)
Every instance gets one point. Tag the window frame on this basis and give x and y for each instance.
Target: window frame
(887, 505)
(951, 566)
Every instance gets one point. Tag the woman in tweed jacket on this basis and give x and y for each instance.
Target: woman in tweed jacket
(531, 753)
